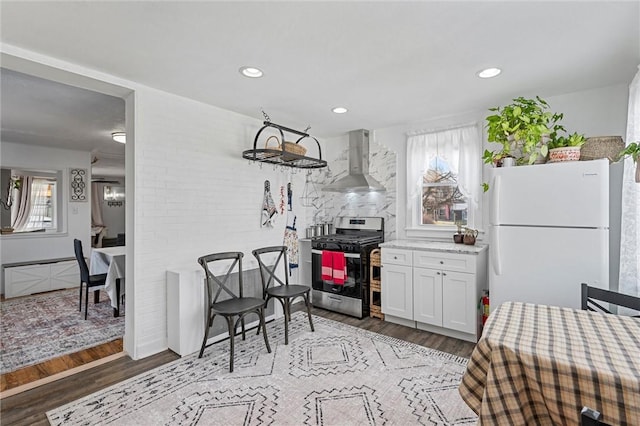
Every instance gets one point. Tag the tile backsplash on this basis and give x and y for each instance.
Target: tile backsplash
(382, 166)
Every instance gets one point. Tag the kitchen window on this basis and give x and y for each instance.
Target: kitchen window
(443, 179)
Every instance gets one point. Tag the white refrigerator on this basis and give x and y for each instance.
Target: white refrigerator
(549, 232)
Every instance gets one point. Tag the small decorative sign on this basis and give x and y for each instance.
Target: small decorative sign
(78, 179)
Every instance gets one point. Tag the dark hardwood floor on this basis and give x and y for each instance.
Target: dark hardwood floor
(58, 365)
(29, 407)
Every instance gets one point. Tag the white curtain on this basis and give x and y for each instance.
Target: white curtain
(630, 236)
(96, 205)
(460, 143)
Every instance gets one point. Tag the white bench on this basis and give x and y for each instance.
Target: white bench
(36, 276)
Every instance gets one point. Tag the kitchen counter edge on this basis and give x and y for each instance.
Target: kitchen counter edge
(439, 246)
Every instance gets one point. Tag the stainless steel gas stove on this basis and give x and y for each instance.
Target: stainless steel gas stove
(355, 237)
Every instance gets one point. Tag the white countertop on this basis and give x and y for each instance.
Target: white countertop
(427, 245)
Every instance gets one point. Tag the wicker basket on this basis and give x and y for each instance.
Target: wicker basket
(374, 257)
(290, 147)
(602, 147)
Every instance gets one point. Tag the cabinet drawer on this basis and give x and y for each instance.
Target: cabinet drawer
(445, 261)
(396, 257)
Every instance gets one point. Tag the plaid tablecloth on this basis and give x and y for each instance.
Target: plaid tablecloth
(540, 365)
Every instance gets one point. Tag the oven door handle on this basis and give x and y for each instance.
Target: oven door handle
(350, 255)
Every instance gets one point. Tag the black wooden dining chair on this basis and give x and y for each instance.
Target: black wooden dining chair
(595, 299)
(599, 300)
(222, 300)
(284, 292)
(86, 280)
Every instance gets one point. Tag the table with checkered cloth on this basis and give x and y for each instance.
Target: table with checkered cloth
(537, 364)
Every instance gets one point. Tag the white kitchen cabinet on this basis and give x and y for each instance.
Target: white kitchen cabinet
(396, 290)
(459, 303)
(437, 290)
(21, 279)
(427, 296)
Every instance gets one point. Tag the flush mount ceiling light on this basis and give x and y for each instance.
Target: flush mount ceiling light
(120, 137)
(489, 72)
(250, 72)
(339, 110)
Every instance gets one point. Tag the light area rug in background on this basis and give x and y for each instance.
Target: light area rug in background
(37, 328)
(337, 375)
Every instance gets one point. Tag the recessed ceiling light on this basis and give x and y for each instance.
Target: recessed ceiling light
(489, 72)
(339, 110)
(251, 72)
(119, 137)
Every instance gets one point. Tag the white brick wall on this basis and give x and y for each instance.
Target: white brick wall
(194, 195)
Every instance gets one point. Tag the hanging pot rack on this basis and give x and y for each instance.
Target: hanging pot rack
(279, 155)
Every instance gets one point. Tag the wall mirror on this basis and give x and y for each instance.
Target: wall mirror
(31, 200)
(113, 193)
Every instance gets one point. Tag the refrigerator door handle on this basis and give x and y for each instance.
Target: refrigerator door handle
(495, 250)
(495, 201)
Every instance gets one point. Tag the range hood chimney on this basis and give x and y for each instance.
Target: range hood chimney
(358, 179)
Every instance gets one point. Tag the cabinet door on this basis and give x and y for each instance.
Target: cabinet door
(397, 291)
(65, 275)
(23, 280)
(427, 296)
(459, 301)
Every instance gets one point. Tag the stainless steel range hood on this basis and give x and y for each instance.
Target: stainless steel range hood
(358, 179)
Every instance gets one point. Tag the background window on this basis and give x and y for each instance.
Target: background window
(443, 178)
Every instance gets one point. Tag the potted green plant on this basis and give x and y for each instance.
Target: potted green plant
(565, 148)
(632, 150)
(523, 128)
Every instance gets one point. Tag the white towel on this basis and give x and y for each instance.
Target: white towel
(269, 210)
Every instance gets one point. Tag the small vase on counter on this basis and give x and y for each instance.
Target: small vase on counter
(470, 236)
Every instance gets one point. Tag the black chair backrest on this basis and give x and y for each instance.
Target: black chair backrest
(593, 298)
(268, 273)
(84, 269)
(216, 286)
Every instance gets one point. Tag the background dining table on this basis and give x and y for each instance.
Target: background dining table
(537, 364)
(110, 260)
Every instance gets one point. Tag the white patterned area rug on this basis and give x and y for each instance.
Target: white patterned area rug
(338, 375)
(37, 328)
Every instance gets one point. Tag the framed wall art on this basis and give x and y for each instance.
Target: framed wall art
(78, 184)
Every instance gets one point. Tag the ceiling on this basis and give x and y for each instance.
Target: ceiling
(41, 112)
(388, 62)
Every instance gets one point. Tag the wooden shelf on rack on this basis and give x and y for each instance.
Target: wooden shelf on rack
(375, 285)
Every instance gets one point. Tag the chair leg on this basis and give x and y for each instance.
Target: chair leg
(86, 302)
(116, 310)
(265, 306)
(80, 301)
(264, 329)
(306, 302)
(206, 333)
(232, 332)
(287, 316)
(96, 296)
(243, 334)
